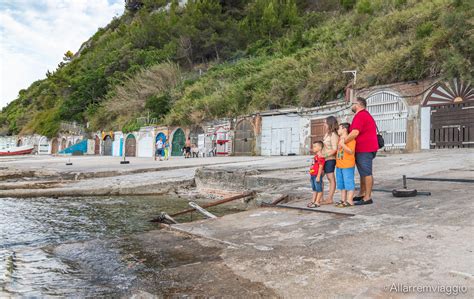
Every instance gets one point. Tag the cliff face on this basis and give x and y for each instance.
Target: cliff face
(182, 62)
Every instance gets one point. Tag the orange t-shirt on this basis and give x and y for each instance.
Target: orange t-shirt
(344, 159)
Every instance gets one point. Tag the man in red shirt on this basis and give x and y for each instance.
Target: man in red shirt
(364, 130)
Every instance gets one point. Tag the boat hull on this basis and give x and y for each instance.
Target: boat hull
(16, 151)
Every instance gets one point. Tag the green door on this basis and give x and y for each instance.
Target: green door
(178, 143)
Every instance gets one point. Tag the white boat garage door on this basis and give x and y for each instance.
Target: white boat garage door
(391, 114)
(280, 135)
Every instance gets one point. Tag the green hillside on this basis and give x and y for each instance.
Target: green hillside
(210, 59)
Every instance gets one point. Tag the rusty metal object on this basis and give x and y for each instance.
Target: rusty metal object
(280, 199)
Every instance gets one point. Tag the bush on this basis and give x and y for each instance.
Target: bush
(348, 4)
(364, 6)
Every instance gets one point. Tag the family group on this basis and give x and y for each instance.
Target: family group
(344, 147)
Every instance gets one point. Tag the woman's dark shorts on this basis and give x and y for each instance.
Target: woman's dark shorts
(364, 163)
(329, 166)
(187, 149)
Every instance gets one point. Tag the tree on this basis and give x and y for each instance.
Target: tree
(159, 106)
(133, 5)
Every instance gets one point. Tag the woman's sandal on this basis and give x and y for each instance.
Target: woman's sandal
(346, 205)
(338, 203)
(313, 205)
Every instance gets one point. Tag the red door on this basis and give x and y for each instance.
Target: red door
(97, 145)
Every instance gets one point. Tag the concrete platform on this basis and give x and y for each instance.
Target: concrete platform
(425, 241)
(300, 254)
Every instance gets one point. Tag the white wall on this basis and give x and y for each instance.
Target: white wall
(145, 144)
(425, 127)
(281, 134)
(90, 146)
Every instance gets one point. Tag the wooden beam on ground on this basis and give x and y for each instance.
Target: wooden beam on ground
(212, 204)
(201, 210)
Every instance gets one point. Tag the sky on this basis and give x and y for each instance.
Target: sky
(35, 34)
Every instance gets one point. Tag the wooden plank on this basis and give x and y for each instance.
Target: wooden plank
(201, 210)
(450, 137)
(225, 200)
(456, 132)
(470, 135)
(432, 138)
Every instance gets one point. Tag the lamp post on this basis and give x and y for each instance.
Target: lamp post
(350, 87)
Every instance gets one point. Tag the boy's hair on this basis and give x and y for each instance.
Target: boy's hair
(345, 126)
(320, 143)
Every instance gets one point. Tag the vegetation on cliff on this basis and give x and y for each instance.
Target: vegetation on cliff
(185, 63)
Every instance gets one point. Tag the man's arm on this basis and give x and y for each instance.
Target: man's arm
(352, 135)
(347, 149)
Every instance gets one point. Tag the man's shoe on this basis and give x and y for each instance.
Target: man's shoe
(358, 198)
(364, 202)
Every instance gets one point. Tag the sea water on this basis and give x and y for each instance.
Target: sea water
(41, 238)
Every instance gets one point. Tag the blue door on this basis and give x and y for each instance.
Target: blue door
(162, 136)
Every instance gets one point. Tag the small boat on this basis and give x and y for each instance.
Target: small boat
(19, 150)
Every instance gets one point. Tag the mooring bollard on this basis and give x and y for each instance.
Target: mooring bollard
(124, 161)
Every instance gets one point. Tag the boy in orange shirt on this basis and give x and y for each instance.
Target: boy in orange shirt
(345, 167)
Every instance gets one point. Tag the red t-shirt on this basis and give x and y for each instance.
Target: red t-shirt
(366, 141)
(313, 171)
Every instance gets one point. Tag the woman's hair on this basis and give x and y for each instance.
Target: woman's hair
(331, 121)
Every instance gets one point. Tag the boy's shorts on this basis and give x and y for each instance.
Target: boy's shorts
(159, 152)
(345, 178)
(317, 186)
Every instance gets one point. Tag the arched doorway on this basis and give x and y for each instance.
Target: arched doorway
(162, 136)
(63, 143)
(130, 146)
(43, 146)
(244, 138)
(54, 146)
(178, 141)
(69, 144)
(96, 145)
(108, 146)
(391, 115)
(19, 143)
